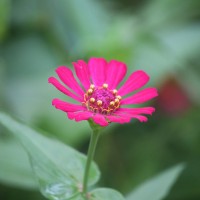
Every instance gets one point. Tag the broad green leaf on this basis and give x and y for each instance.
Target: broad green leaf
(101, 194)
(158, 187)
(15, 169)
(58, 167)
(106, 194)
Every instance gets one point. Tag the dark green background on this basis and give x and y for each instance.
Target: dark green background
(160, 36)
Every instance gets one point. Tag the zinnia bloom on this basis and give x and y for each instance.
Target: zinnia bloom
(97, 94)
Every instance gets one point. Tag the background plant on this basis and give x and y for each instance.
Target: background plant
(161, 37)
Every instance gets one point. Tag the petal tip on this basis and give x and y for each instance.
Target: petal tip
(51, 80)
(55, 102)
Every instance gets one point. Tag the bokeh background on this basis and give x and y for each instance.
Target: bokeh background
(161, 37)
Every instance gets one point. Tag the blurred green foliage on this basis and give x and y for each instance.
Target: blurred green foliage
(160, 36)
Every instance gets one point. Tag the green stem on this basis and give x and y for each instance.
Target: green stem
(91, 151)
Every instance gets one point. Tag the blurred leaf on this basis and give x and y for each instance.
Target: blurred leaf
(15, 169)
(28, 57)
(59, 168)
(115, 43)
(25, 13)
(106, 194)
(2, 81)
(158, 187)
(95, 17)
(27, 90)
(4, 17)
(181, 41)
(101, 194)
(166, 51)
(167, 12)
(75, 21)
(27, 61)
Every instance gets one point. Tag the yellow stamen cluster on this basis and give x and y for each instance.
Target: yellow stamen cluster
(98, 105)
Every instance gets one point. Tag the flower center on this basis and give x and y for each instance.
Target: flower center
(101, 99)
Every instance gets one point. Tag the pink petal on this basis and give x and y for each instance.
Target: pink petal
(119, 119)
(141, 118)
(82, 73)
(135, 81)
(71, 115)
(141, 97)
(115, 73)
(67, 77)
(61, 88)
(97, 67)
(79, 116)
(100, 119)
(144, 110)
(65, 106)
(83, 116)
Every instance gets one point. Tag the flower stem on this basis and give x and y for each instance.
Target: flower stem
(90, 155)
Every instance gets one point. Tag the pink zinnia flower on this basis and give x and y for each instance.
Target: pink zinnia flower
(97, 94)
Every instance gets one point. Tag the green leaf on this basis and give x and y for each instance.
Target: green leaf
(101, 194)
(158, 187)
(58, 167)
(15, 169)
(106, 194)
